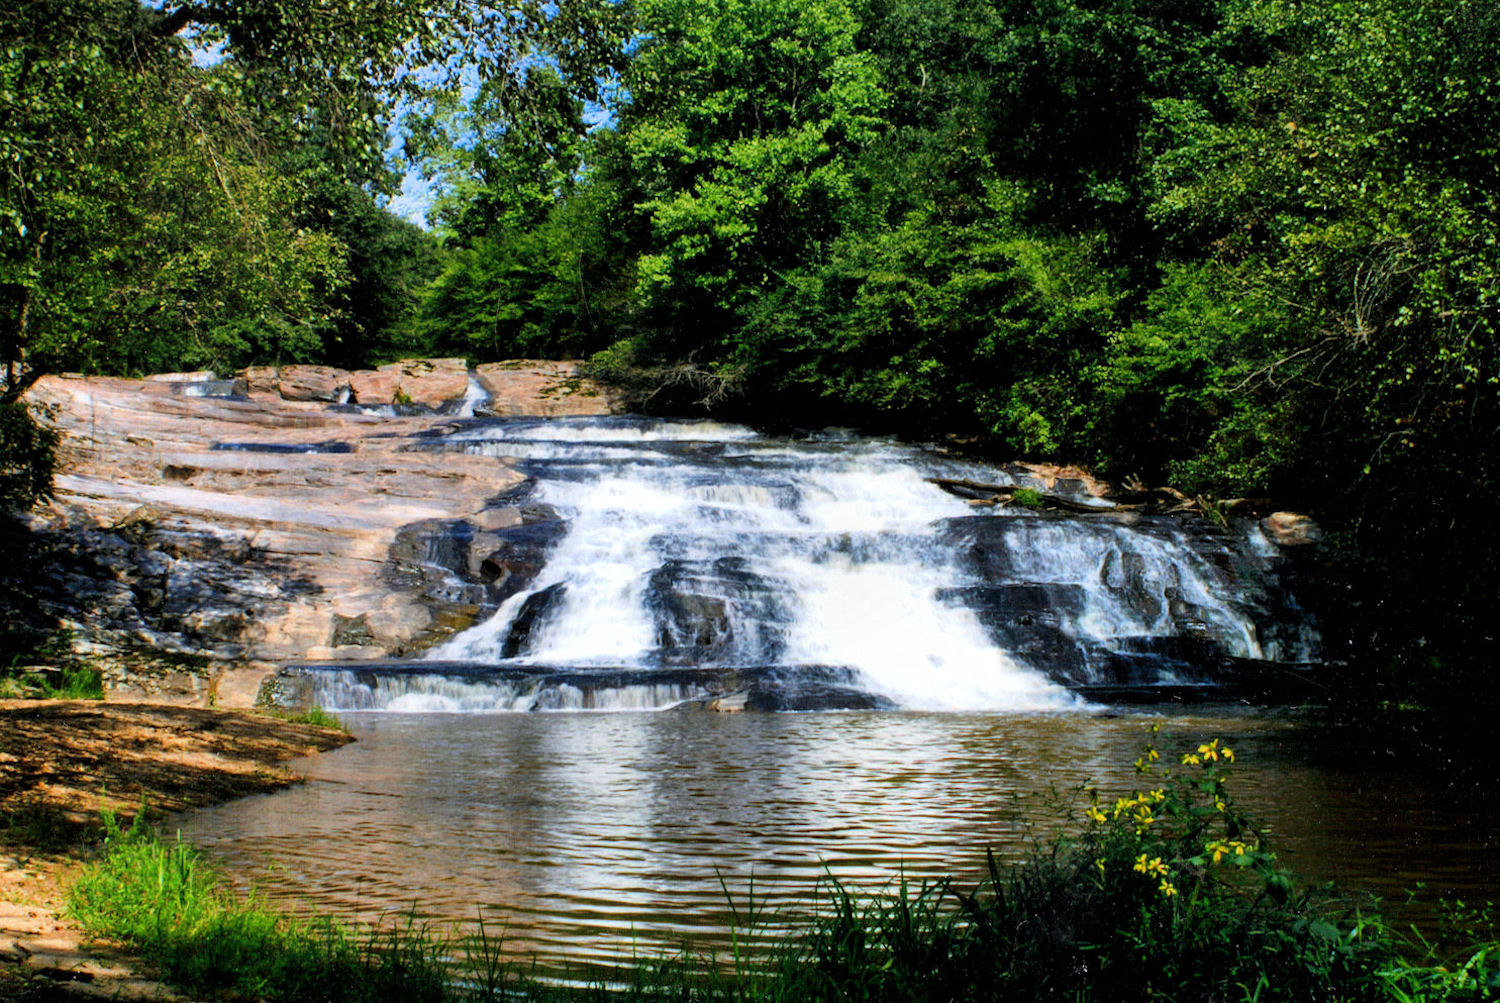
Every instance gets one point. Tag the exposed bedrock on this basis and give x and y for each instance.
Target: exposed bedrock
(716, 612)
(205, 531)
(516, 388)
(201, 539)
(1125, 601)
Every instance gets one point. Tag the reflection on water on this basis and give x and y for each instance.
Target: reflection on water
(590, 835)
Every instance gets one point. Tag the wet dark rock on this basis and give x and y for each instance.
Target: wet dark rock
(518, 556)
(811, 688)
(285, 447)
(716, 612)
(429, 555)
(151, 606)
(431, 560)
(533, 613)
(542, 687)
(1032, 622)
(538, 512)
(514, 495)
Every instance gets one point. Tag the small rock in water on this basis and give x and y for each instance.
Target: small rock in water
(1290, 529)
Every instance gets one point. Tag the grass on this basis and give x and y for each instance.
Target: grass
(1028, 498)
(318, 717)
(1169, 893)
(62, 678)
(72, 682)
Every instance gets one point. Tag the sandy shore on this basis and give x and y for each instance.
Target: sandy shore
(61, 764)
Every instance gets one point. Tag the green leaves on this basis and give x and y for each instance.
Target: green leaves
(26, 459)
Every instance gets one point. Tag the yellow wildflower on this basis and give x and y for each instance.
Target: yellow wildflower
(1227, 753)
(1094, 813)
(1152, 867)
(1189, 759)
(1167, 888)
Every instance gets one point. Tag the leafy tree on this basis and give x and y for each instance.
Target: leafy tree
(156, 211)
(743, 119)
(530, 270)
(388, 262)
(26, 458)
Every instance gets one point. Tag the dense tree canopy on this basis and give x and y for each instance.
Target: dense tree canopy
(156, 212)
(1239, 246)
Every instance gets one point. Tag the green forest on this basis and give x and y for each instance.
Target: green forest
(1245, 248)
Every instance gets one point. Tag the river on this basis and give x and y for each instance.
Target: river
(589, 836)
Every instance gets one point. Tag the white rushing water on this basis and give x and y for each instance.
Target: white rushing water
(693, 560)
(834, 536)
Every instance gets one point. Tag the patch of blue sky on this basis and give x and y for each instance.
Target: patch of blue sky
(417, 193)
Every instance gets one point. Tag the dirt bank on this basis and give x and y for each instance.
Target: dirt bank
(61, 764)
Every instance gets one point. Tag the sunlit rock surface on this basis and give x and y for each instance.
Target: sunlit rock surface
(205, 531)
(494, 540)
(657, 563)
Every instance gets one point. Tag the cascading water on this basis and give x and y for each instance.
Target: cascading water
(475, 395)
(695, 562)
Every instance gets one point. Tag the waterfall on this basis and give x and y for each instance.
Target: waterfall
(475, 396)
(692, 561)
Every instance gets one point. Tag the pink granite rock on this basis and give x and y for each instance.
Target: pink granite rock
(260, 379)
(431, 382)
(312, 383)
(374, 386)
(540, 388)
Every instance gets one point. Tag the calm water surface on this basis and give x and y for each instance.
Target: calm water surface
(587, 835)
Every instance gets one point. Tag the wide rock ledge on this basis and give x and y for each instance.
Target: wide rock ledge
(196, 541)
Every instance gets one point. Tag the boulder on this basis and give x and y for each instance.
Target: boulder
(716, 612)
(430, 382)
(311, 383)
(532, 614)
(1289, 529)
(374, 386)
(518, 554)
(261, 379)
(533, 388)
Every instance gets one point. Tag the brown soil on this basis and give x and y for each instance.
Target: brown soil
(62, 763)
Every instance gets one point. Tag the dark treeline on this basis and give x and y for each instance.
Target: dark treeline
(1246, 248)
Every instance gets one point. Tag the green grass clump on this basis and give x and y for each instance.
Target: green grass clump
(1028, 498)
(61, 677)
(163, 899)
(318, 717)
(72, 682)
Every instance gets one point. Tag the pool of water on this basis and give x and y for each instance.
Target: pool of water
(591, 836)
